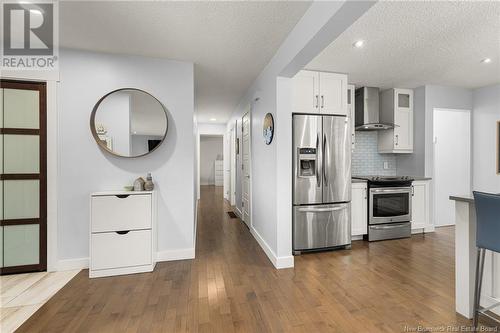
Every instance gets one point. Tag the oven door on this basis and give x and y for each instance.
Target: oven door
(389, 204)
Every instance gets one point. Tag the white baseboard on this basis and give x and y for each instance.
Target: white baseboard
(71, 264)
(238, 212)
(171, 255)
(278, 262)
(83, 263)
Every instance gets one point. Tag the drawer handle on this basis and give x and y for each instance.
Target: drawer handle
(122, 196)
(123, 232)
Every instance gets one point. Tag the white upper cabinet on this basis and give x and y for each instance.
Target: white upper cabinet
(305, 92)
(320, 92)
(396, 106)
(351, 113)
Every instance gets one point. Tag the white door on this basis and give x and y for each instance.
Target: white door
(233, 168)
(403, 118)
(452, 164)
(227, 163)
(305, 92)
(246, 168)
(333, 93)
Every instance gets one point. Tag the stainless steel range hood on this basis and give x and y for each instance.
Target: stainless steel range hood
(367, 110)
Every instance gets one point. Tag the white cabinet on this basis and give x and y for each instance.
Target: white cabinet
(396, 106)
(420, 210)
(351, 113)
(122, 233)
(219, 173)
(319, 92)
(359, 209)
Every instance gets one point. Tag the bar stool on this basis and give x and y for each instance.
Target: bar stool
(487, 238)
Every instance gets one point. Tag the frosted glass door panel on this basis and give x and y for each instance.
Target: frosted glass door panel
(1, 108)
(21, 109)
(1, 246)
(21, 153)
(21, 199)
(21, 245)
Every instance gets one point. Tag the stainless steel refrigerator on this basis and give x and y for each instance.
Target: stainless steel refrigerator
(321, 182)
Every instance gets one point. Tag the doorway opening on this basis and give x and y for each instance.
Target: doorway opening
(452, 163)
(212, 161)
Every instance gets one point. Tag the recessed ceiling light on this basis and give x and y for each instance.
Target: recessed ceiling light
(359, 44)
(486, 60)
(213, 119)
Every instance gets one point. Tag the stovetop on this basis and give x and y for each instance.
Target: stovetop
(384, 178)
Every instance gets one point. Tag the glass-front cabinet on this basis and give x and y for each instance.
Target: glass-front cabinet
(23, 177)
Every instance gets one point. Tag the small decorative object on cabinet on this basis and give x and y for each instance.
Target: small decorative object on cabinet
(396, 107)
(319, 92)
(268, 128)
(139, 184)
(122, 233)
(149, 185)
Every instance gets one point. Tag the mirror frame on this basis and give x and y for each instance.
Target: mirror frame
(96, 136)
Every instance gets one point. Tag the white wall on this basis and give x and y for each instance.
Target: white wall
(84, 168)
(486, 113)
(271, 164)
(210, 150)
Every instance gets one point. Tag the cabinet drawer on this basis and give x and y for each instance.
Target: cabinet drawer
(113, 213)
(113, 250)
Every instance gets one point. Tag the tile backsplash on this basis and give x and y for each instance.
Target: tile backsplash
(365, 158)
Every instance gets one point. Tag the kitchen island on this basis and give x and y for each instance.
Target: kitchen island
(465, 260)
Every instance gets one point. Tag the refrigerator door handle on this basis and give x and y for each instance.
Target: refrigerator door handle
(318, 177)
(325, 152)
(321, 210)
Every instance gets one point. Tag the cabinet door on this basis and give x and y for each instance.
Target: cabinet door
(403, 118)
(333, 93)
(359, 213)
(305, 92)
(351, 113)
(418, 206)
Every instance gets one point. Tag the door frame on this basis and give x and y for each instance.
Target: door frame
(41, 87)
(434, 199)
(232, 166)
(249, 113)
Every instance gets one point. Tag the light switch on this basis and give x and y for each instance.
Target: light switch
(386, 165)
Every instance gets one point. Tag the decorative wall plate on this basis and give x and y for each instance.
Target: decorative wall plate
(268, 128)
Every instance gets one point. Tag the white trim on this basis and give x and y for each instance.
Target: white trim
(195, 222)
(278, 262)
(121, 271)
(71, 264)
(171, 255)
(356, 237)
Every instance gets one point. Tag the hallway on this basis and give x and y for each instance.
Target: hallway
(232, 286)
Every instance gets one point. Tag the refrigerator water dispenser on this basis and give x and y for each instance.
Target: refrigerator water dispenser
(307, 162)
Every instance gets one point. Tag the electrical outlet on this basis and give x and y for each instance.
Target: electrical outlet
(386, 165)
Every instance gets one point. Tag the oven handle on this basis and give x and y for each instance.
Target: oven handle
(385, 227)
(399, 190)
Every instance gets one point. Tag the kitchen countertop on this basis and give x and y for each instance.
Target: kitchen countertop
(353, 180)
(464, 198)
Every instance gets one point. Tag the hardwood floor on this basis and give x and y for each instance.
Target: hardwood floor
(232, 287)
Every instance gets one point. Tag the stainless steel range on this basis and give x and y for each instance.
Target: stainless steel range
(389, 207)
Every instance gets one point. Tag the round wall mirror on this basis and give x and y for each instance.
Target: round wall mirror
(129, 122)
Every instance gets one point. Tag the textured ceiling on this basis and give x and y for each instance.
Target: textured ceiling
(229, 42)
(409, 44)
